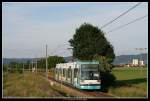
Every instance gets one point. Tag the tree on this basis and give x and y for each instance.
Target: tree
(5, 67)
(27, 64)
(89, 43)
(13, 65)
(16, 67)
(41, 63)
(52, 61)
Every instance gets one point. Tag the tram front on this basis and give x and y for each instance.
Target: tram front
(90, 77)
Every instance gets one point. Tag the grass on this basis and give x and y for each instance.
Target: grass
(34, 85)
(28, 85)
(131, 82)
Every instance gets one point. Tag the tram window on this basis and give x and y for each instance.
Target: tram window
(69, 72)
(57, 73)
(78, 76)
(66, 73)
(63, 71)
(75, 72)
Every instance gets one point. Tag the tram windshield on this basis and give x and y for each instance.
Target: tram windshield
(89, 72)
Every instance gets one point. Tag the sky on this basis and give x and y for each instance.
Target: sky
(28, 27)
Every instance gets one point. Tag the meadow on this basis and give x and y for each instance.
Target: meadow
(130, 82)
(34, 85)
(29, 85)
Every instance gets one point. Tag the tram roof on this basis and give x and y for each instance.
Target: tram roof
(66, 65)
(82, 62)
(87, 62)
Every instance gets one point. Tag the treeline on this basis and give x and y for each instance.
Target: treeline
(52, 61)
(40, 63)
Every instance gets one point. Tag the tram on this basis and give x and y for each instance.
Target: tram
(79, 74)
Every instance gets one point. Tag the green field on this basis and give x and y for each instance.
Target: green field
(131, 82)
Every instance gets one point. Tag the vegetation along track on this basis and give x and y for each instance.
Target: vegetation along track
(90, 94)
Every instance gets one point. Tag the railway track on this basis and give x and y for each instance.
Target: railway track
(91, 94)
(97, 94)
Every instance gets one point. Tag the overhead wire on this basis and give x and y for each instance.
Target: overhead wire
(119, 27)
(121, 15)
(115, 20)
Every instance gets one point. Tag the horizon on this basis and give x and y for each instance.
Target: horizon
(67, 56)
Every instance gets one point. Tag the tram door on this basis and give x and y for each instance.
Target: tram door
(70, 74)
(58, 73)
(55, 73)
(75, 75)
(72, 77)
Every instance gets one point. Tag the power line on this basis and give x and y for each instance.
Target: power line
(107, 23)
(46, 63)
(59, 48)
(121, 15)
(140, 18)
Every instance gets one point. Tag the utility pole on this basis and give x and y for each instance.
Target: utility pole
(29, 67)
(23, 67)
(36, 65)
(61, 79)
(32, 65)
(23, 71)
(8, 67)
(16, 67)
(46, 63)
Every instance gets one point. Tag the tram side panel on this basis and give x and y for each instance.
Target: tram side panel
(70, 74)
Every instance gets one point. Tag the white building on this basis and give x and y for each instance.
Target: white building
(135, 62)
(141, 63)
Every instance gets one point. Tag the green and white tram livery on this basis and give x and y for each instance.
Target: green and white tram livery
(80, 74)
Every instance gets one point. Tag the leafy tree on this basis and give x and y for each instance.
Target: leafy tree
(89, 43)
(52, 61)
(13, 66)
(20, 68)
(16, 67)
(27, 64)
(41, 63)
(5, 67)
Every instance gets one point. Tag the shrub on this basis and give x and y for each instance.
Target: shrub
(107, 80)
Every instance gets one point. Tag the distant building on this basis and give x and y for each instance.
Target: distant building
(135, 62)
(141, 63)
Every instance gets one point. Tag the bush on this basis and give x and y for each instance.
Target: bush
(107, 80)
(20, 71)
(5, 67)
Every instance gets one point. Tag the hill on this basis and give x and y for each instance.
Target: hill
(122, 59)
